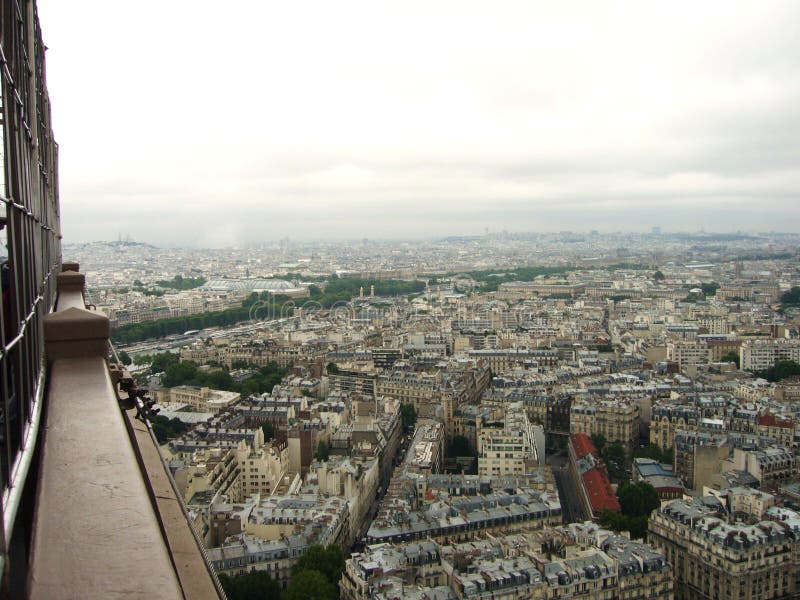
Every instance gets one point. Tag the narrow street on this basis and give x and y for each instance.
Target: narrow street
(568, 491)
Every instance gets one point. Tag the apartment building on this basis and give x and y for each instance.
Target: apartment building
(771, 466)
(760, 354)
(699, 456)
(715, 557)
(688, 353)
(199, 399)
(508, 443)
(504, 360)
(458, 507)
(668, 419)
(426, 451)
(525, 289)
(552, 563)
(617, 419)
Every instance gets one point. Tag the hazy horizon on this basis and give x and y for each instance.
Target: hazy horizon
(181, 124)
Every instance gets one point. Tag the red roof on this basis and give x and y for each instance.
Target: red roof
(598, 488)
(582, 444)
(771, 421)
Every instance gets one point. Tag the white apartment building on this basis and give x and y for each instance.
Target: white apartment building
(507, 442)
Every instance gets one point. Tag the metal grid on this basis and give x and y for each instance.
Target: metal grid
(30, 214)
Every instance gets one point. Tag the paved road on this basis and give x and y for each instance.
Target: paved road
(568, 491)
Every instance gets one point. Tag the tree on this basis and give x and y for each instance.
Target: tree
(614, 457)
(322, 452)
(269, 430)
(791, 297)
(255, 585)
(658, 276)
(327, 560)
(731, 357)
(709, 289)
(310, 583)
(780, 370)
(637, 526)
(124, 358)
(654, 452)
(599, 441)
(166, 429)
(332, 369)
(637, 499)
(459, 446)
(161, 362)
(408, 415)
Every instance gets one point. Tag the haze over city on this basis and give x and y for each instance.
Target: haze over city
(211, 127)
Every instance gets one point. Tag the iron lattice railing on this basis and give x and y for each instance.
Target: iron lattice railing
(29, 215)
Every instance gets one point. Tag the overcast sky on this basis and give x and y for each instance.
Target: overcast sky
(214, 123)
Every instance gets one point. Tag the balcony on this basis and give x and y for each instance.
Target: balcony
(107, 522)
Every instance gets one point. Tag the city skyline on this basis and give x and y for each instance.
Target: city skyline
(438, 120)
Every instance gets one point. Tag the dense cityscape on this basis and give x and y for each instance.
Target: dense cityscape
(508, 415)
(425, 301)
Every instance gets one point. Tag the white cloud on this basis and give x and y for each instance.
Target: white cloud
(381, 113)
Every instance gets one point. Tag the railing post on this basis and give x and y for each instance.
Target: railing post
(70, 281)
(75, 332)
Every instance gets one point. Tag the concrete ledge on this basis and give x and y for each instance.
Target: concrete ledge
(95, 532)
(70, 266)
(193, 573)
(75, 332)
(71, 299)
(70, 281)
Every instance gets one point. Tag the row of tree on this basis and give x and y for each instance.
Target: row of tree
(136, 332)
(791, 297)
(177, 372)
(260, 306)
(780, 370)
(181, 283)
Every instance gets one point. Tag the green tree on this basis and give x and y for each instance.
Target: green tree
(269, 430)
(165, 429)
(658, 276)
(161, 362)
(791, 297)
(182, 283)
(614, 457)
(408, 415)
(308, 584)
(731, 357)
(255, 585)
(780, 370)
(636, 526)
(599, 441)
(459, 447)
(327, 560)
(322, 452)
(637, 499)
(124, 358)
(709, 289)
(654, 452)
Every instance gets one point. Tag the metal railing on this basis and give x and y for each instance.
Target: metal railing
(29, 217)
